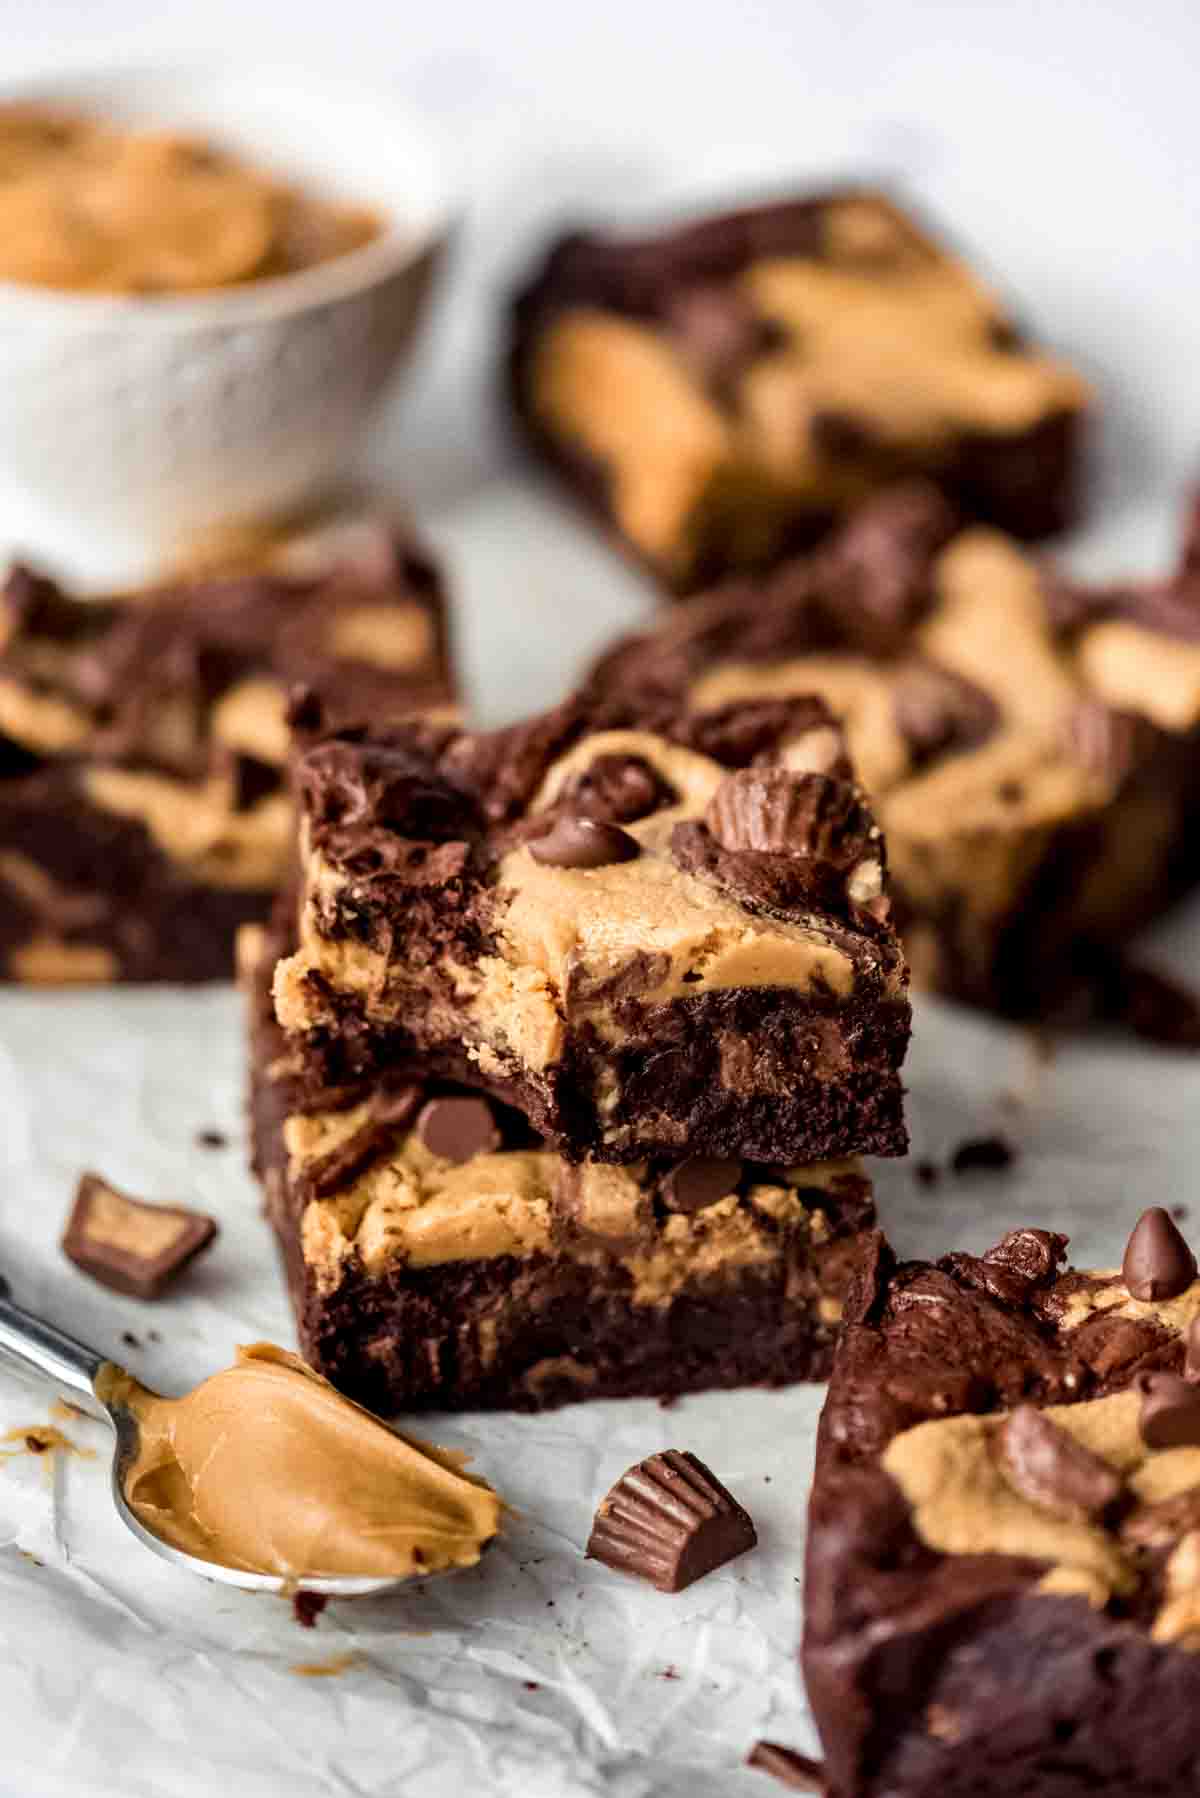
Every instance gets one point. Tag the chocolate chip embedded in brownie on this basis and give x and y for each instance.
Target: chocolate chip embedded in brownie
(1031, 747)
(438, 1254)
(143, 815)
(720, 390)
(1003, 1581)
(653, 933)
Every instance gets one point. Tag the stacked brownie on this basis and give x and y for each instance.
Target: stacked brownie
(582, 1025)
(143, 740)
(1031, 745)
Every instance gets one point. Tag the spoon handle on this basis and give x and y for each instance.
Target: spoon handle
(37, 1347)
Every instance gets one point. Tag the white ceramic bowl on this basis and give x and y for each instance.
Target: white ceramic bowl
(130, 425)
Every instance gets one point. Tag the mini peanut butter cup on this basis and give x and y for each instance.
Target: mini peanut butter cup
(669, 1521)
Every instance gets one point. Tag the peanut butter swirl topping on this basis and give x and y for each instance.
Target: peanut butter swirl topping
(266, 1468)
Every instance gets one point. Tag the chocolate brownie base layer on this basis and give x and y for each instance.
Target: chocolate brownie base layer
(1031, 746)
(719, 393)
(143, 809)
(652, 933)
(1003, 1578)
(511, 1279)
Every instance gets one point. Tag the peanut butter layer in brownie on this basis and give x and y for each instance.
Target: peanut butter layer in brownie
(1003, 1586)
(651, 932)
(143, 741)
(1031, 747)
(722, 390)
(439, 1254)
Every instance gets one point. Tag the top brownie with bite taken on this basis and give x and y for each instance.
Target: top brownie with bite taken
(651, 932)
(143, 743)
(723, 390)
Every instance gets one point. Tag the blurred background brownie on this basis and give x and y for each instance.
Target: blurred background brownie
(439, 1254)
(652, 931)
(1031, 745)
(723, 390)
(143, 811)
(1003, 1581)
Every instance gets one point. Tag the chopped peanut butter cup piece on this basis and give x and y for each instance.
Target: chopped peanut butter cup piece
(669, 1521)
(129, 1245)
(1048, 1467)
(1158, 1263)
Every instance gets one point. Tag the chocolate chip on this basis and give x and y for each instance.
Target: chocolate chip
(458, 1129)
(1170, 1414)
(938, 712)
(926, 1172)
(1158, 1263)
(983, 1154)
(796, 1771)
(699, 1181)
(669, 1521)
(777, 812)
(617, 789)
(583, 843)
(1046, 1465)
(211, 1139)
(1191, 1352)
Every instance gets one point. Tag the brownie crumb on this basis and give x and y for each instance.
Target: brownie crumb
(130, 1340)
(796, 1771)
(983, 1154)
(212, 1139)
(669, 1673)
(531, 1685)
(1179, 1212)
(926, 1172)
(307, 1607)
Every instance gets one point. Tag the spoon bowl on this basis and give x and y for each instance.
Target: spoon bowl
(36, 1347)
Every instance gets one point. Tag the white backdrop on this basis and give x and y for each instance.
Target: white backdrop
(1059, 140)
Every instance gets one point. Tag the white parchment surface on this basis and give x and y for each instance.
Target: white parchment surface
(538, 1675)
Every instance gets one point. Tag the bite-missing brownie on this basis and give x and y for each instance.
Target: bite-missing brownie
(1031, 745)
(1003, 1583)
(439, 1254)
(143, 741)
(722, 390)
(652, 932)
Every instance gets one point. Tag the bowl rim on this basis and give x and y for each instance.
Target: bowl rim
(395, 250)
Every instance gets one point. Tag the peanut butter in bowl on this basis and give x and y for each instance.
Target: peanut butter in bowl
(89, 206)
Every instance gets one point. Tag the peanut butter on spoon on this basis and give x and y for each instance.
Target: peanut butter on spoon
(267, 1469)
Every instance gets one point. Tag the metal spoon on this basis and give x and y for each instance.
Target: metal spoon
(37, 1347)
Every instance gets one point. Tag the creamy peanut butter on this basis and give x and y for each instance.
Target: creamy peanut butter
(88, 206)
(266, 1468)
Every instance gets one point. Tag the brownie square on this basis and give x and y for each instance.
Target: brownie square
(653, 933)
(438, 1253)
(721, 391)
(1031, 745)
(1003, 1575)
(143, 742)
